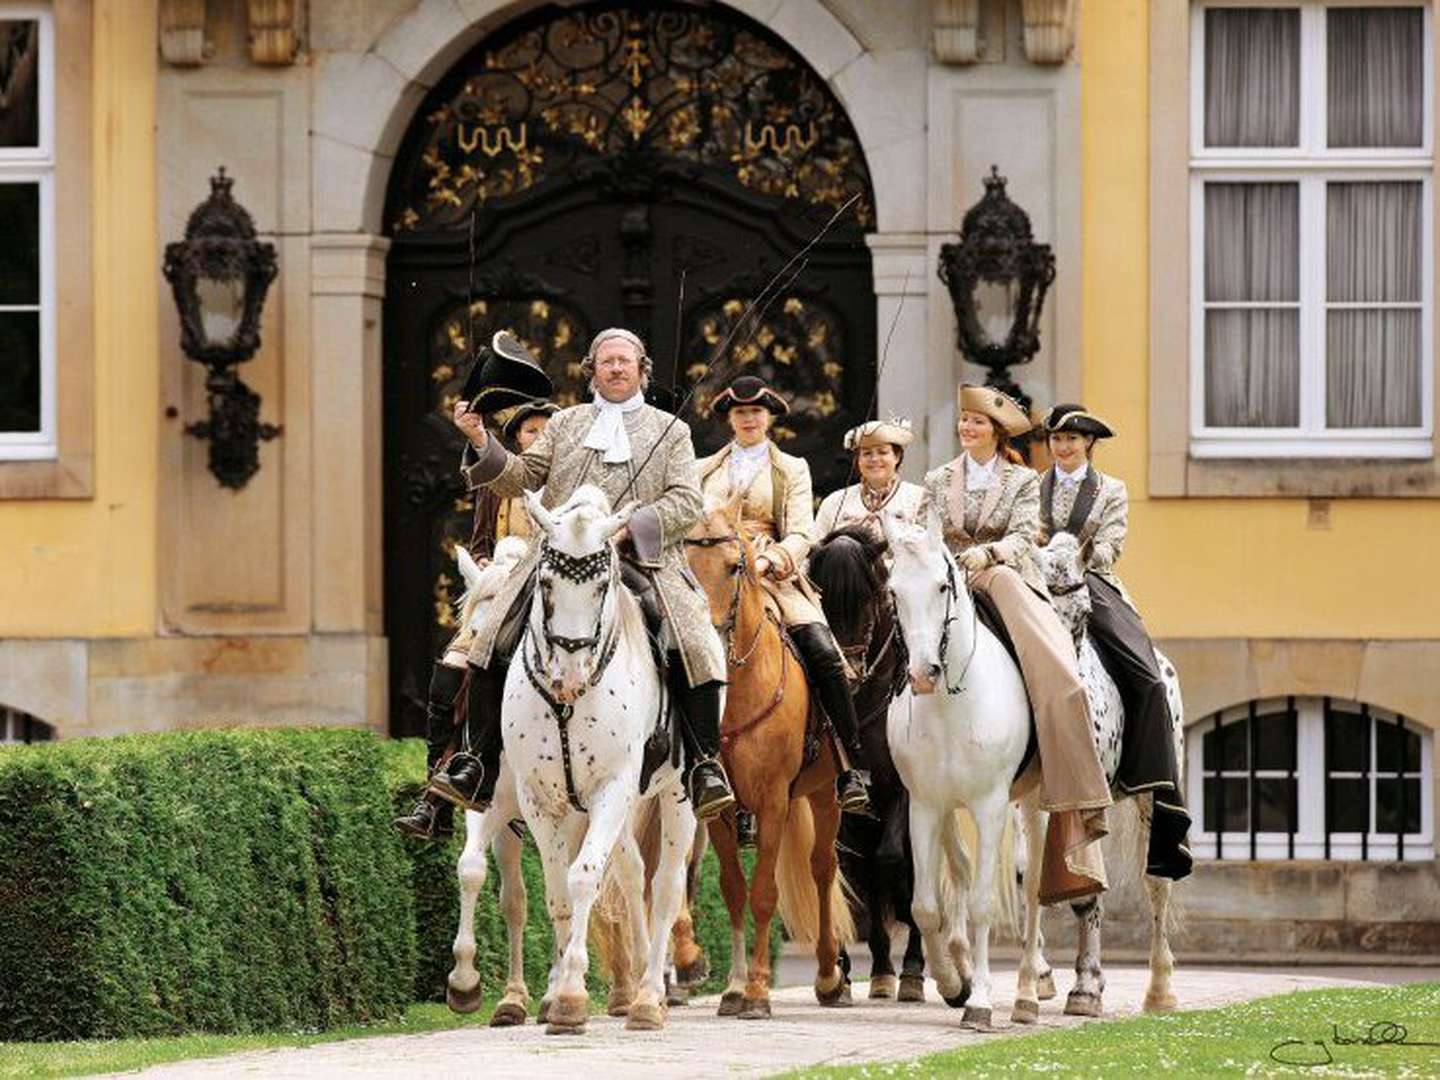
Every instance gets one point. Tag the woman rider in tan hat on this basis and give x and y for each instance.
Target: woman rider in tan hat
(1077, 498)
(777, 515)
(988, 502)
(879, 448)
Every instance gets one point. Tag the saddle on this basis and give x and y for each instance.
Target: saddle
(989, 616)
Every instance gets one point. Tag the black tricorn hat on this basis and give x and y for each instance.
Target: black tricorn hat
(1076, 419)
(749, 390)
(504, 374)
(525, 412)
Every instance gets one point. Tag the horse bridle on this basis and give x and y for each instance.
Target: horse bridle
(732, 616)
(951, 590)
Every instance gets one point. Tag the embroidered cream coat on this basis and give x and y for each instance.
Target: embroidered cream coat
(670, 506)
(776, 514)
(847, 507)
(1104, 528)
(1009, 515)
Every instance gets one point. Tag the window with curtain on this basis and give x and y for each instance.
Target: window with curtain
(1310, 778)
(27, 275)
(1311, 169)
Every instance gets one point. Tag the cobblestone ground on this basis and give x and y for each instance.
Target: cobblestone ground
(697, 1044)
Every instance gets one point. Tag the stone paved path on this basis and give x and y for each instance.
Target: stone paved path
(698, 1045)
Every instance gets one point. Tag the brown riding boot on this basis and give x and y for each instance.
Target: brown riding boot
(1082, 873)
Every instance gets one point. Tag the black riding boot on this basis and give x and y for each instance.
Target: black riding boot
(468, 779)
(827, 679)
(700, 711)
(432, 816)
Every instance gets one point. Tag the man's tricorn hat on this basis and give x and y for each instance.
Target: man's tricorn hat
(750, 390)
(1076, 419)
(504, 374)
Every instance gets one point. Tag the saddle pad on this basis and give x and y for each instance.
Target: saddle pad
(989, 616)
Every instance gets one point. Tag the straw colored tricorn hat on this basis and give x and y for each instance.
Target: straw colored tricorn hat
(1000, 408)
(892, 432)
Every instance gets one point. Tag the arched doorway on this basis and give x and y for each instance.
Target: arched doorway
(562, 175)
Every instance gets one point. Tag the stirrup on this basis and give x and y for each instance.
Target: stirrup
(722, 795)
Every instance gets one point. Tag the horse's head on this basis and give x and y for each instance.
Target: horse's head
(926, 587)
(849, 568)
(483, 584)
(1062, 563)
(577, 580)
(721, 558)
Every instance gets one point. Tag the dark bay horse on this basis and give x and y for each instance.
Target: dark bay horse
(849, 568)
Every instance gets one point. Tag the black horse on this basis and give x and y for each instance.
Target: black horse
(849, 568)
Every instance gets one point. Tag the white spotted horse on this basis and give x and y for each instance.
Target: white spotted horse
(1063, 565)
(848, 566)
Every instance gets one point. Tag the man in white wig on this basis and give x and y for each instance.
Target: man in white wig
(630, 451)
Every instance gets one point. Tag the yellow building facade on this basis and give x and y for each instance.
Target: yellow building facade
(140, 595)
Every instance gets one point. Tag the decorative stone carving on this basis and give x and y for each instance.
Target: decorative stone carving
(955, 30)
(1049, 30)
(274, 31)
(182, 32)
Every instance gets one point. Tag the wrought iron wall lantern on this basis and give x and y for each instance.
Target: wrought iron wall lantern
(220, 274)
(998, 277)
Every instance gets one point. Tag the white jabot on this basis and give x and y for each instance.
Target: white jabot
(979, 477)
(607, 430)
(1071, 477)
(746, 462)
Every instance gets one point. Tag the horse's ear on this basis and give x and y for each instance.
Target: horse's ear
(934, 534)
(612, 524)
(539, 514)
(468, 568)
(731, 509)
(1087, 551)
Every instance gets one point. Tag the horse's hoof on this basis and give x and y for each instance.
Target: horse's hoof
(731, 1002)
(1045, 986)
(645, 1017)
(1081, 1003)
(567, 1016)
(693, 974)
(1025, 1012)
(508, 1014)
(676, 996)
(463, 1001)
(837, 998)
(544, 1014)
(958, 1001)
(755, 1009)
(620, 1001)
(912, 988)
(1160, 1003)
(882, 987)
(977, 1016)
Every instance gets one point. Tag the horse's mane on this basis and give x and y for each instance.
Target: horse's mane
(848, 566)
(508, 553)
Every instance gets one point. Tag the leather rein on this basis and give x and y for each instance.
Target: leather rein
(728, 629)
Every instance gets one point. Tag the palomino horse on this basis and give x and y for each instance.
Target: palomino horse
(849, 568)
(1064, 569)
(581, 697)
(960, 747)
(763, 739)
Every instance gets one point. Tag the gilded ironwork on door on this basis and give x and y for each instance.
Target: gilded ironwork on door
(686, 82)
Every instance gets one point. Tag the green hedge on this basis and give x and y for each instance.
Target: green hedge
(227, 881)
(238, 881)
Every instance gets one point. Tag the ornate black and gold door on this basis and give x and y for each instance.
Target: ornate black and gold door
(564, 175)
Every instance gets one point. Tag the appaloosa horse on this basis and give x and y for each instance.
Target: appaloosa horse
(848, 566)
(790, 791)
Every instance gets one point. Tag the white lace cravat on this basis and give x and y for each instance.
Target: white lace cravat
(979, 477)
(746, 462)
(1070, 479)
(607, 430)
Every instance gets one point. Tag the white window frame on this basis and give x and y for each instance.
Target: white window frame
(1312, 165)
(20, 165)
(1310, 792)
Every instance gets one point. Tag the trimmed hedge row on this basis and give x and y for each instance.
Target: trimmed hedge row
(238, 881)
(229, 881)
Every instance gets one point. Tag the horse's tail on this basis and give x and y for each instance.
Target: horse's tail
(1126, 849)
(961, 840)
(609, 930)
(797, 904)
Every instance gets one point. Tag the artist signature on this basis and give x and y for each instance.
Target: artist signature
(1316, 1052)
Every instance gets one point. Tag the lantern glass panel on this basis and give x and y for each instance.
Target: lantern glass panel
(222, 303)
(995, 308)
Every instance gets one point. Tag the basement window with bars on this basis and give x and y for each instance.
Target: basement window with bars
(1310, 778)
(20, 727)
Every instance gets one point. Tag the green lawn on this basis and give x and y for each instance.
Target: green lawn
(121, 1055)
(1234, 1041)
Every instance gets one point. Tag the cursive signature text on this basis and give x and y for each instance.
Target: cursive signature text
(1317, 1052)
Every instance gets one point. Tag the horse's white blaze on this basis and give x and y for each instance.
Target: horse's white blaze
(614, 711)
(1063, 565)
(952, 751)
